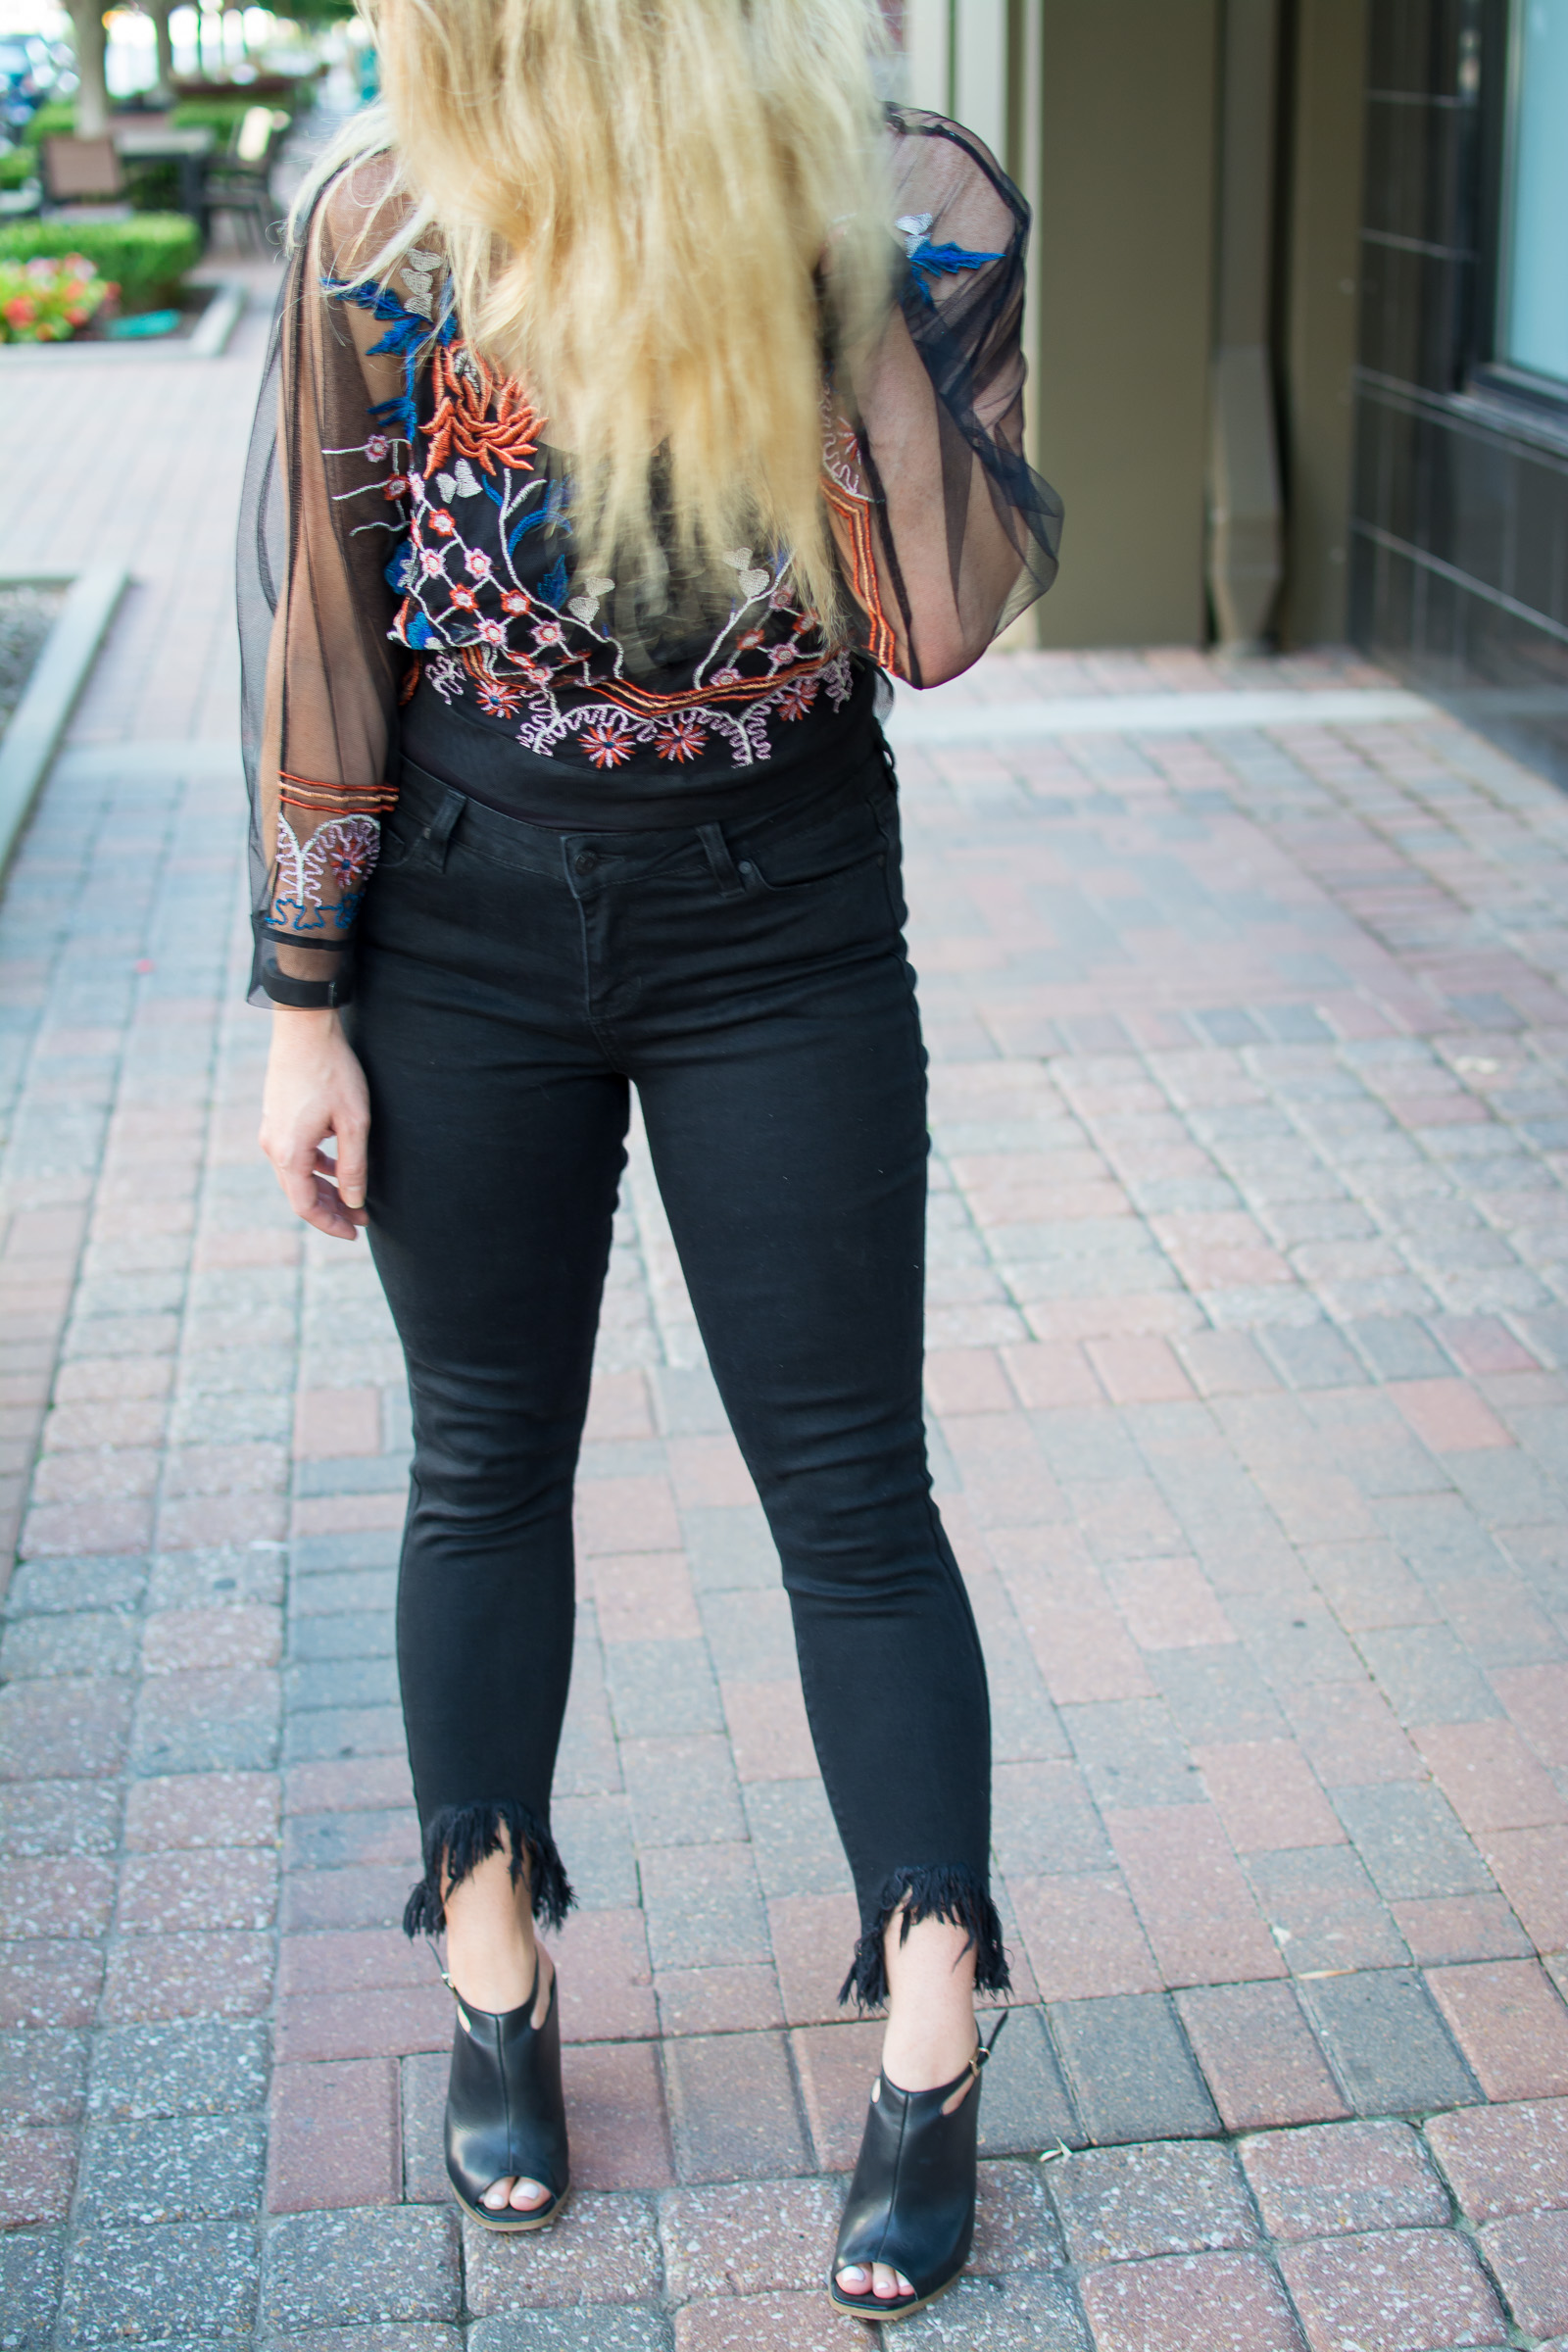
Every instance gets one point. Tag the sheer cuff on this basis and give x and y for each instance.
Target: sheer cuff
(311, 977)
(328, 841)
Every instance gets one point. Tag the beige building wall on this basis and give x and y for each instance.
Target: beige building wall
(1124, 224)
(1108, 112)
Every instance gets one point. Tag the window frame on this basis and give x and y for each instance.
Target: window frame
(1490, 26)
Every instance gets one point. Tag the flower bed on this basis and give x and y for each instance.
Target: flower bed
(48, 300)
(146, 257)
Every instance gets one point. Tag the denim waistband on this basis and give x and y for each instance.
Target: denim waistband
(488, 768)
(429, 811)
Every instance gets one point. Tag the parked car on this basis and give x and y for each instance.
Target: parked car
(28, 74)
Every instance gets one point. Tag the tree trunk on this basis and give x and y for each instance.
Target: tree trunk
(92, 97)
(158, 10)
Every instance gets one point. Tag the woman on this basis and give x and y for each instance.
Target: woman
(642, 392)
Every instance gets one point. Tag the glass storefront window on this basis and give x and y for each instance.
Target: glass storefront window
(1533, 313)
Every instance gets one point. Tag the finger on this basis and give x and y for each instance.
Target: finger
(315, 1202)
(329, 1186)
(352, 1142)
(328, 1215)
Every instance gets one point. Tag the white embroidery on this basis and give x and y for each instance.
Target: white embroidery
(324, 874)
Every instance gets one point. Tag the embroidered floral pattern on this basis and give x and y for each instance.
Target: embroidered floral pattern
(490, 603)
(322, 880)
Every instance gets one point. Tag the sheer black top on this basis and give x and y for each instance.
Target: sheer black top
(407, 531)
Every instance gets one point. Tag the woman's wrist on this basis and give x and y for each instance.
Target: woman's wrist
(304, 1025)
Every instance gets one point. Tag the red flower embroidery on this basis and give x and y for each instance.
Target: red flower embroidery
(680, 739)
(440, 521)
(462, 419)
(498, 696)
(607, 743)
(465, 599)
(798, 697)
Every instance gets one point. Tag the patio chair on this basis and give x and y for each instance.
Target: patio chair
(82, 173)
(241, 185)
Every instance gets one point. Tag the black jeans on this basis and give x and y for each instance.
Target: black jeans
(752, 982)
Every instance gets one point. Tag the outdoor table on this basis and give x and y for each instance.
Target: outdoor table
(161, 143)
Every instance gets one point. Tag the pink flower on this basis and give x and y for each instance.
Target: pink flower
(681, 738)
(478, 563)
(514, 602)
(377, 448)
(492, 632)
(20, 310)
(396, 485)
(549, 632)
(430, 561)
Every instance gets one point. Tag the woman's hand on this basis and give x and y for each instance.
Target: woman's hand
(316, 1088)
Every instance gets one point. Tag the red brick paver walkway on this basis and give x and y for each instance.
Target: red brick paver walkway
(1249, 1327)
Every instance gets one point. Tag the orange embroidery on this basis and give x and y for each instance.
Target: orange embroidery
(462, 421)
(856, 517)
(304, 792)
(487, 664)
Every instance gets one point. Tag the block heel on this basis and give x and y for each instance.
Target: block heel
(505, 2113)
(912, 2201)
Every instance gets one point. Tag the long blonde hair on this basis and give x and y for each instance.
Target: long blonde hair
(653, 211)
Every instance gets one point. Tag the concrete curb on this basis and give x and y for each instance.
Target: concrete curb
(934, 719)
(208, 340)
(59, 675)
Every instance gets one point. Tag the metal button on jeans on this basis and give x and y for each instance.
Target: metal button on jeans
(585, 862)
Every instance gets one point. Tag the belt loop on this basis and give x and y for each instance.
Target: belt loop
(439, 831)
(730, 885)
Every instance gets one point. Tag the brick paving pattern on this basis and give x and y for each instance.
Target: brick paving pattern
(1250, 1358)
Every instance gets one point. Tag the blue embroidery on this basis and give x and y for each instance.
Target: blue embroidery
(297, 915)
(551, 516)
(408, 333)
(553, 587)
(400, 565)
(928, 263)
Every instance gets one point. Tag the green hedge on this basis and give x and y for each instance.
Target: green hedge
(50, 121)
(146, 257)
(17, 165)
(222, 116)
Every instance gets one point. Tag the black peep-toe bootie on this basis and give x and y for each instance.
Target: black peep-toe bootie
(911, 2201)
(505, 2116)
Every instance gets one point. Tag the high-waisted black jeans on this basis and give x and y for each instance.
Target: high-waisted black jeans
(750, 981)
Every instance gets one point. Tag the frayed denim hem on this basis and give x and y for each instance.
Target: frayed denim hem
(933, 1891)
(461, 1837)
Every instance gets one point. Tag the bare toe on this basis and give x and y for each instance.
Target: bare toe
(886, 2282)
(498, 2196)
(853, 2281)
(527, 2194)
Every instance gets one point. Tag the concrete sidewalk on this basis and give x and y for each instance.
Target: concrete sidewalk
(1249, 1327)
